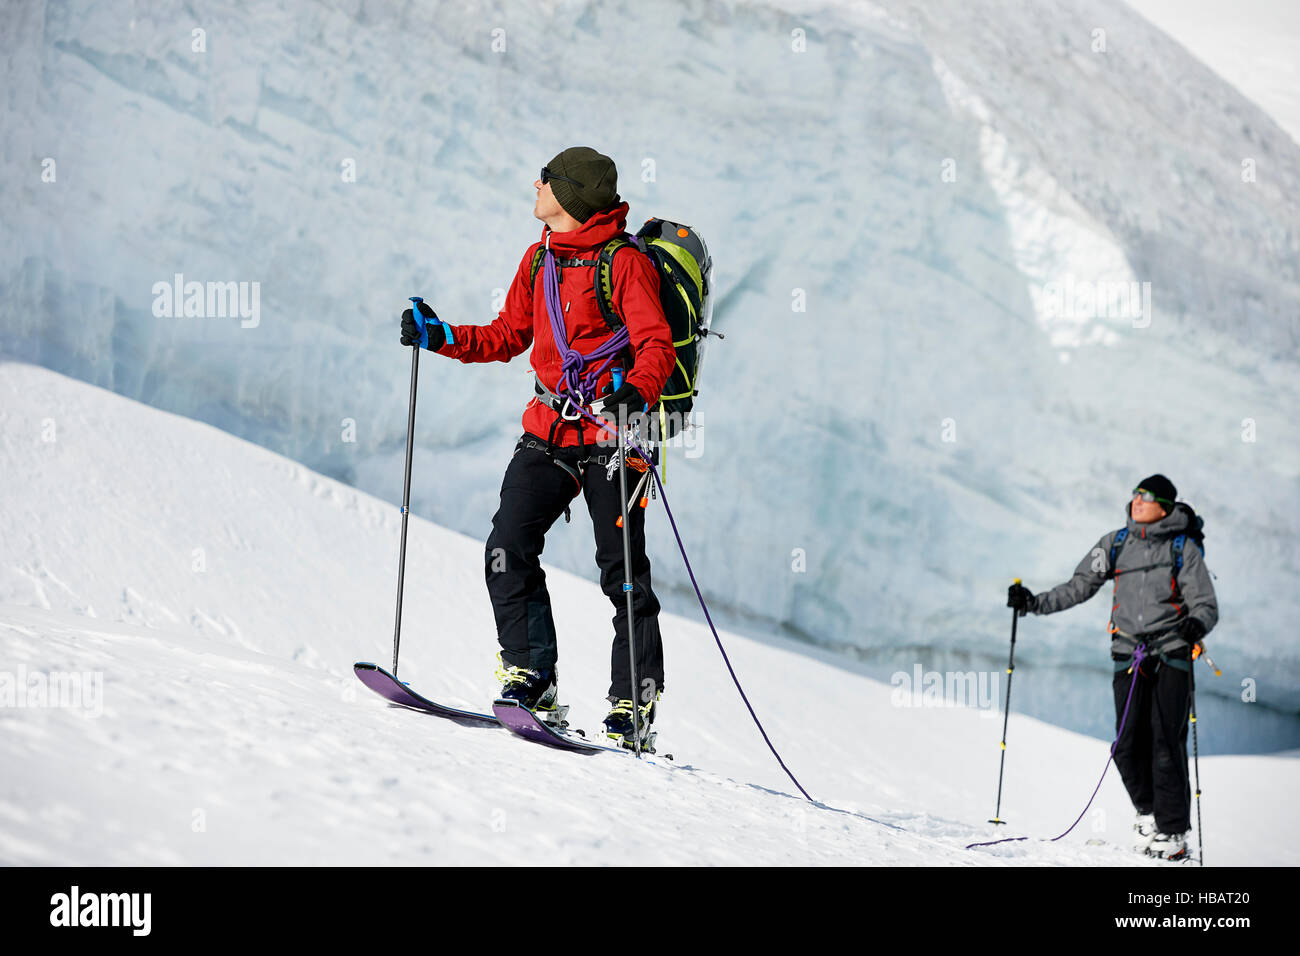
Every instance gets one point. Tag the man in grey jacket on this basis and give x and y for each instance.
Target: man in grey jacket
(1164, 600)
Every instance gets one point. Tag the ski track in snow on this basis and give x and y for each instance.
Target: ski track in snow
(251, 742)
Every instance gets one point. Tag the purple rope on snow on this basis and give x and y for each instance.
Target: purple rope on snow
(1139, 655)
(602, 423)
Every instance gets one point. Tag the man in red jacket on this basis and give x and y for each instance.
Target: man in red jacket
(561, 454)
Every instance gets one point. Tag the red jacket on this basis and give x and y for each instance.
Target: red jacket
(524, 322)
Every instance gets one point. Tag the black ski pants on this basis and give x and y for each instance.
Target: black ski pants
(1151, 753)
(534, 493)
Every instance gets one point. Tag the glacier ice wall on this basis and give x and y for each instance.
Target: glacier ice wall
(870, 471)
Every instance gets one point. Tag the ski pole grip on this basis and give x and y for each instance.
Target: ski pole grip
(424, 331)
(419, 320)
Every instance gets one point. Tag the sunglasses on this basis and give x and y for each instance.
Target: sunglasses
(547, 176)
(1150, 496)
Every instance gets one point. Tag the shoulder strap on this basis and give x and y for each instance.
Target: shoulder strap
(602, 279)
(1178, 553)
(536, 267)
(1115, 545)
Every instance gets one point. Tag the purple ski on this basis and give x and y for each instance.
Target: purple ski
(524, 723)
(393, 690)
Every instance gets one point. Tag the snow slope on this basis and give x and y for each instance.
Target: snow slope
(872, 471)
(230, 728)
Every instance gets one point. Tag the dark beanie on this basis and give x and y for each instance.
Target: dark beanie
(599, 178)
(1161, 487)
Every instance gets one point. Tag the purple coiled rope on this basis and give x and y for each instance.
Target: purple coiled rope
(576, 384)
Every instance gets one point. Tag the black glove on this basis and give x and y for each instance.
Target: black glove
(1193, 631)
(1021, 598)
(624, 403)
(411, 331)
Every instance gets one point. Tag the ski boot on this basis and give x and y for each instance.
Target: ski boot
(536, 690)
(620, 728)
(1168, 846)
(1144, 831)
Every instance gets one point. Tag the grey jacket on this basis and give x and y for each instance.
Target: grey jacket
(1148, 602)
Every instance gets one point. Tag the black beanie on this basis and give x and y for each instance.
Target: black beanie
(596, 172)
(1162, 488)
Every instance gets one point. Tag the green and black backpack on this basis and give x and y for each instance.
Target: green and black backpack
(682, 260)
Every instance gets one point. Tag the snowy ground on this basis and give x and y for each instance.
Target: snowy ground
(222, 593)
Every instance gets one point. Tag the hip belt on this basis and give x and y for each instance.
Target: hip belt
(1159, 644)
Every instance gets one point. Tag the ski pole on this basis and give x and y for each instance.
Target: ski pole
(1006, 714)
(1196, 757)
(627, 579)
(406, 482)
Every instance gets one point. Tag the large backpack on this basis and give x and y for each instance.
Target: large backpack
(682, 260)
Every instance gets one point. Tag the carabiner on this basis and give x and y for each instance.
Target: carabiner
(568, 403)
